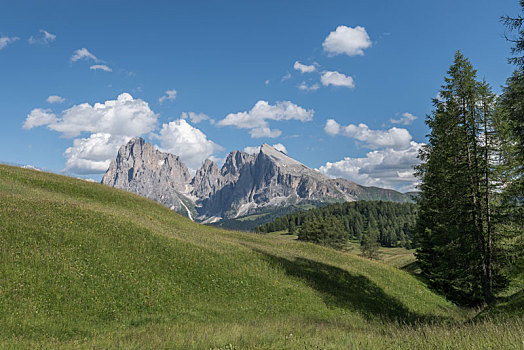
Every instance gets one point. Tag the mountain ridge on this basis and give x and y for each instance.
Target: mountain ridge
(246, 183)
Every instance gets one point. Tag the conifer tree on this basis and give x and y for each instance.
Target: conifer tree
(369, 244)
(455, 224)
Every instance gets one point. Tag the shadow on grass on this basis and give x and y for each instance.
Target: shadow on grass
(414, 270)
(339, 288)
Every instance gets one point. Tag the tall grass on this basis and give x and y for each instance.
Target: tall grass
(83, 265)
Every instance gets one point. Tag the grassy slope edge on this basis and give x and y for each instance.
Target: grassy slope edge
(85, 265)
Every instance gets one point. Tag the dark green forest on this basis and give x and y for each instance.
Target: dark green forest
(392, 224)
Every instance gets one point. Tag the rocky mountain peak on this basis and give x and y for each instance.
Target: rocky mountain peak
(245, 184)
(142, 169)
(209, 167)
(235, 161)
(207, 180)
(276, 155)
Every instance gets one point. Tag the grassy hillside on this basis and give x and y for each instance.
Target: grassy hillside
(84, 265)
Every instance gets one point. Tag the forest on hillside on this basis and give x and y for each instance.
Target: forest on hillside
(390, 223)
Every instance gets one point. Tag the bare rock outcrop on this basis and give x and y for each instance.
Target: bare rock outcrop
(245, 184)
(142, 169)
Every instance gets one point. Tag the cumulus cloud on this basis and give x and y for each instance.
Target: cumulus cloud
(388, 168)
(336, 79)
(303, 68)
(110, 125)
(191, 144)
(405, 119)
(348, 41)
(396, 138)
(256, 120)
(39, 117)
(252, 149)
(280, 147)
(332, 127)
(304, 87)
(5, 40)
(256, 149)
(197, 117)
(93, 154)
(55, 99)
(101, 67)
(83, 54)
(170, 95)
(44, 38)
(123, 116)
(29, 166)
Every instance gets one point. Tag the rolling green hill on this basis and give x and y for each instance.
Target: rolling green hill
(83, 265)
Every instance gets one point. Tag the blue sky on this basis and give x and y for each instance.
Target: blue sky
(342, 86)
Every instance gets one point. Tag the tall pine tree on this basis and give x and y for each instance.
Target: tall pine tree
(455, 227)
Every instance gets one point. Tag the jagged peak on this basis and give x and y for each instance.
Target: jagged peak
(208, 165)
(277, 155)
(136, 139)
(235, 160)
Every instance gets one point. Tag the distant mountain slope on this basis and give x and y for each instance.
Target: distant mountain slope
(246, 183)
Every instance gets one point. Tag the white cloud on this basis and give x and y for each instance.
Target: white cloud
(45, 38)
(347, 40)
(396, 138)
(110, 124)
(405, 119)
(256, 120)
(123, 116)
(83, 54)
(266, 82)
(29, 166)
(92, 155)
(256, 149)
(39, 117)
(252, 149)
(336, 79)
(101, 67)
(191, 144)
(388, 168)
(332, 127)
(170, 95)
(196, 117)
(304, 87)
(55, 99)
(303, 68)
(280, 147)
(5, 40)
(286, 77)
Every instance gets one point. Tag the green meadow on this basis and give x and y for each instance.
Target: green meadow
(83, 265)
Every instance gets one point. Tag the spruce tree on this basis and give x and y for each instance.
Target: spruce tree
(454, 229)
(509, 124)
(369, 244)
(516, 24)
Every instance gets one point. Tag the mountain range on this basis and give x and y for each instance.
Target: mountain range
(246, 184)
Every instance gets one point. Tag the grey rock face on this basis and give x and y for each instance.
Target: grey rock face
(207, 180)
(142, 169)
(271, 178)
(244, 184)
